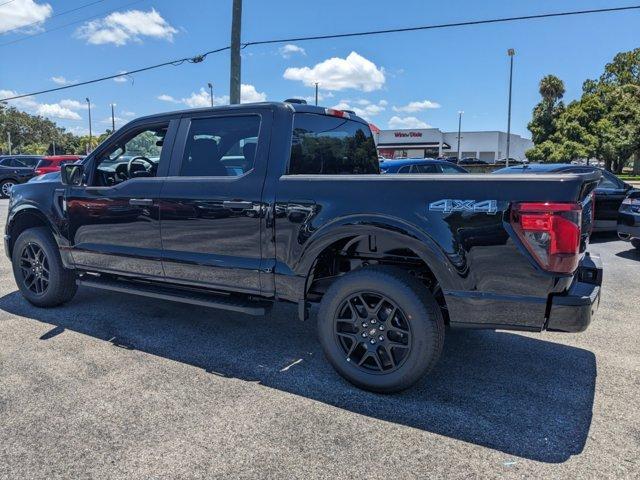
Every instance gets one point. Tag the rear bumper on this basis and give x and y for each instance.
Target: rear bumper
(628, 225)
(573, 311)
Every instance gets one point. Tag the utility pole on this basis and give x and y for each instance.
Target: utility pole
(113, 119)
(53, 148)
(235, 72)
(90, 135)
(511, 52)
(9, 140)
(316, 94)
(459, 133)
(211, 92)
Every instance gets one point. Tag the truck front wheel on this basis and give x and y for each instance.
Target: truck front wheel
(38, 269)
(380, 328)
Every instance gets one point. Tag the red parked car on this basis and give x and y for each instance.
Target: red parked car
(53, 163)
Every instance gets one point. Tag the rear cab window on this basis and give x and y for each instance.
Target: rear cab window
(327, 145)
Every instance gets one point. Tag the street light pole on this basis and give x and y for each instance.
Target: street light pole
(90, 134)
(459, 133)
(511, 52)
(235, 71)
(211, 92)
(316, 94)
(9, 140)
(113, 118)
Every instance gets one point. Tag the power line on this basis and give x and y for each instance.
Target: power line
(443, 25)
(6, 3)
(75, 22)
(175, 63)
(52, 16)
(203, 56)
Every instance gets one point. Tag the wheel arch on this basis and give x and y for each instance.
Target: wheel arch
(360, 241)
(25, 218)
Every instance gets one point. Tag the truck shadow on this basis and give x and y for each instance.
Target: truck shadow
(522, 396)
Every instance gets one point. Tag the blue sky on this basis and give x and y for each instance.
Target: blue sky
(408, 79)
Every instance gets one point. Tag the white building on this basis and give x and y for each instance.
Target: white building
(432, 143)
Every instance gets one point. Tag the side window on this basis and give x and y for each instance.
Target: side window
(450, 169)
(424, 169)
(135, 155)
(327, 145)
(18, 163)
(6, 162)
(405, 169)
(221, 146)
(608, 181)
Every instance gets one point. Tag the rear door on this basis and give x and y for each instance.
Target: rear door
(211, 203)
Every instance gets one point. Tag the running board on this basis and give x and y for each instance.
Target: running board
(183, 296)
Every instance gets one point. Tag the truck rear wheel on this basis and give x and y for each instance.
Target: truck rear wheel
(380, 328)
(38, 269)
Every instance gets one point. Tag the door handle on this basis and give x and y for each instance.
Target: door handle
(144, 202)
(233, 204)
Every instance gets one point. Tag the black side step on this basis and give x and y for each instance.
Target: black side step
(184, 296)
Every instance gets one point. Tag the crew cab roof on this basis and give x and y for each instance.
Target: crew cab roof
(295, 107)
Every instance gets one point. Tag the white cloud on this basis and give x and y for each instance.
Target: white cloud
(121, 79)
(55, 110)
(128, 114)
(249, 94)
(364, 108)
(64, 109)
(407, 122)
(72, 104)
(120, 28)
(118, 120)
(289, 49)
(61, 80)
(413, 107)
(202, 98)
(167, 98)
(23, 13)
(336, 73)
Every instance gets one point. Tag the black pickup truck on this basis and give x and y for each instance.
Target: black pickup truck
(238, 207)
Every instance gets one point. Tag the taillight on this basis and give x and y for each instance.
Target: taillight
(336, 113)
(39, 171)
(551, 233)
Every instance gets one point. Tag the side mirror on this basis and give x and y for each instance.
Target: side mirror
(72, 174)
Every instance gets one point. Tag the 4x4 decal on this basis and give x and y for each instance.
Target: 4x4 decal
(449, 205)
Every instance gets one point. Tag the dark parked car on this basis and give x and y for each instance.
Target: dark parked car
(419, 165)
(15, 169)
(240, 206)
(609, 195)
(472, 161)
(629, 219)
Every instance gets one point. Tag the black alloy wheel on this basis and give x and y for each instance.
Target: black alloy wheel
(373, 331)
(34, 266)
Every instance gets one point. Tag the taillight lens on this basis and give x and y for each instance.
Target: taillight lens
(551, 233)
(39, 171)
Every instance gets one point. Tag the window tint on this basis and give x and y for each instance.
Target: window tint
(608, 181)
(330, 145)
(405, 169)
(221, 146)
(6, 162)
(429, 168)
(451, 169)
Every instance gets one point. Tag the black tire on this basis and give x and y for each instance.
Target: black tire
(636, 242)
(60, 282)
(418, 309)
(5, 186)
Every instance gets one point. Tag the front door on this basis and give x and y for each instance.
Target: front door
(113, 220)
(211, 202)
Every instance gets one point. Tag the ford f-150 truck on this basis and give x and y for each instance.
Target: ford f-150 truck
(237, 207)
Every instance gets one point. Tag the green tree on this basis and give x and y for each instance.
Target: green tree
(545, 115)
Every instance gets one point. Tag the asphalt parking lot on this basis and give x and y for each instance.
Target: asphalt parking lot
(115, 386)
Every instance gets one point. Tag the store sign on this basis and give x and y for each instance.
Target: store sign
(407, 134)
